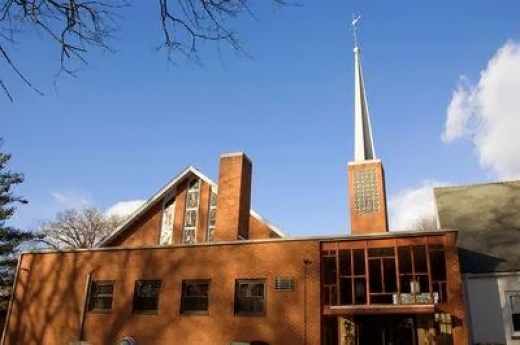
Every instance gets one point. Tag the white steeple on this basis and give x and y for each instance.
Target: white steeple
(364, 143)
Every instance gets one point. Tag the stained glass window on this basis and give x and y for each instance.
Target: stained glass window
(212, 216)
(167, 222)
(366, 193)
(192, 211)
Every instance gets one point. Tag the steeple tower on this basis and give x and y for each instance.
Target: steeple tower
(367, 193)
(364, 143)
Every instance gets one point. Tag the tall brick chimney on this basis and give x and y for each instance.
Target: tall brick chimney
(233, 197)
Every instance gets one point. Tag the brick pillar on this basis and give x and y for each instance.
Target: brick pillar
(367, 197)
(233, 197)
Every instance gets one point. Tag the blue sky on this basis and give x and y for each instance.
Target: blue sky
(130, 121)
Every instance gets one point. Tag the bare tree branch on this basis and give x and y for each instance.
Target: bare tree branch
(78, 26)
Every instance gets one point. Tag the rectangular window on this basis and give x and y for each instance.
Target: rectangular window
(146, 296)
(513, 300)
(195, 297)
(250, 297)
(101, 295)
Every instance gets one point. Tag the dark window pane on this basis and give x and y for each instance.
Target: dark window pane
(345, 263)
(516, 321)
(329, 270)
(101, 295)
(250, 297)
(438, 264)
(146, 295)
(381, 299)
(359, 262)
(424, 283)
(375, 275)
(346, 291)
(381, 252)
(404, 255)
(360, 294)
(194, 296)
(405, 282)
(419, 259)
(390, 275)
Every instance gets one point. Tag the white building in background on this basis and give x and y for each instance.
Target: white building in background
(488, 219)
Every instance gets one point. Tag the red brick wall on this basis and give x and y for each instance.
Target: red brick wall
(49, 295)
(144, 231)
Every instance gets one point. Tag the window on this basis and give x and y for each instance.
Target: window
(192, 211)
(513, 301)
(146, 296)
(212, 216)
(250, 297)
(168, 215)
(195, 296)
(101, 295)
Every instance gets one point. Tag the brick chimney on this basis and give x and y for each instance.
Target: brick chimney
(233, 197)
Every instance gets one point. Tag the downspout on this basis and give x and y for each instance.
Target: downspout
(85, 305)
(11, 299)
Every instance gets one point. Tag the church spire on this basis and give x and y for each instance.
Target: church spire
(364, 143)
(366, 177)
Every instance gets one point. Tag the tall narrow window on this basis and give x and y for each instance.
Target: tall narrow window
(146, 296)
(192, 212)
(101, 295)
(212, 216)
(168, 214)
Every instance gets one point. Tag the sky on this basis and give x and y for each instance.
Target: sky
(442, 81)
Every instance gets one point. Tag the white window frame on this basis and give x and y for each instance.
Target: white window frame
(511, 309)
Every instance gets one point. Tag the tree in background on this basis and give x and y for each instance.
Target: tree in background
(74, 229)
(77, 26)
(425, 223)
(10, 237)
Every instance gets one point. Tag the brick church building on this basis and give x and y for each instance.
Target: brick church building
(196, 265)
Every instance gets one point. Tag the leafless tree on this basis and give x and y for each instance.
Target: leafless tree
(77, 26)
(72, 229)
(425, 223)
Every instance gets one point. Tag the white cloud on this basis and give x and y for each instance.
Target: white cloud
(124, 208)
(72, 199)
(488, 113)
(409, 205)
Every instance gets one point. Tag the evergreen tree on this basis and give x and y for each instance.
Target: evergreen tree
(10, 237)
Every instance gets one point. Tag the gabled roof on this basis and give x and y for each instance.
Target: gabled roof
(488, 219)
(172, 186)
